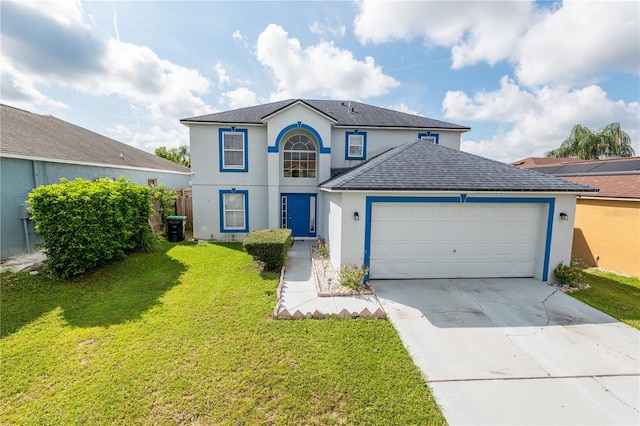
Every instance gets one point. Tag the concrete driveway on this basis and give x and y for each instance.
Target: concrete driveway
(516, 351)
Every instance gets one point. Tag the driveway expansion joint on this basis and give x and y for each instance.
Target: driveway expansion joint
(489, 379)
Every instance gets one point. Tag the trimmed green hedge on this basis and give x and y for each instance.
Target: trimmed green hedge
(84, 224)
(269, 246)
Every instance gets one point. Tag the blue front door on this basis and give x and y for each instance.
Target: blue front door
(299, 214)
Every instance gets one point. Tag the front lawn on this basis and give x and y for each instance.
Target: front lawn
(612, 294)
(184, 335)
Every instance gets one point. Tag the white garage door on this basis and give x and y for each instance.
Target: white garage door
(432, 240)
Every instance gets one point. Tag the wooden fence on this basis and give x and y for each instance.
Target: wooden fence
(184, 207)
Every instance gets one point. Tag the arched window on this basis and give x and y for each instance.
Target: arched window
(299, 157)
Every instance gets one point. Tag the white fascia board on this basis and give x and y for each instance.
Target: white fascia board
(426, 129)
(85, 163)
(220, 123)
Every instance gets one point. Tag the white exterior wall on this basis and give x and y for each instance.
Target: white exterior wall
(334, 236)
(264, 179)
(380, 140)
(207, 180)
(562, 232)
(351, 234)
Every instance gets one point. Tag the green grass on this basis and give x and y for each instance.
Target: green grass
(184, 335)
(612, 294)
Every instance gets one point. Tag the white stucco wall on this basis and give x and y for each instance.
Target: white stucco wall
(207, 180)
(347, 237)
(380, 140)
(562, 232)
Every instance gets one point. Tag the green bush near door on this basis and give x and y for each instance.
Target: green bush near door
(269, 246)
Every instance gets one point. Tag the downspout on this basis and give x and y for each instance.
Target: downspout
(23, 207)
(26, 230)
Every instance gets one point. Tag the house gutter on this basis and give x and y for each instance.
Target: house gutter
(86, 163)
(630, 172)
(455, 191)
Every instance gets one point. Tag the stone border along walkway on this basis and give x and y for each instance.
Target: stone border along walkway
(297, 296)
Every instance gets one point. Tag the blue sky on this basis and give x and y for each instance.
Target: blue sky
(520, 74)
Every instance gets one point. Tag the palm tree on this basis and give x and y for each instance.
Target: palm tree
(583, 143)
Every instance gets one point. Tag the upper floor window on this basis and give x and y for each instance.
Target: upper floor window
(429, 137)
(299, 157)
(355, 145)
(233, 150)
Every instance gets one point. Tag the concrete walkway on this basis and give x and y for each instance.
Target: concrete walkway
(298, 296)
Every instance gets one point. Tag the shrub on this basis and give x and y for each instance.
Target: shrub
(166, 199)
(353, 276)
(570, 274)
(323, 247)
(84, 224)
(269, 246)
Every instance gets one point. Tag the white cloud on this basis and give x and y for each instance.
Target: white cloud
(507, 104)
(579, 41)
(67, 13)
(156, 136)
(320, 69)
(237, 35)
(20, 91)
(402, 107)
(538, 120)
(475, 31)
(327, 29)
(65, 53)
(569, 44)
(239, 98)
(223, 78)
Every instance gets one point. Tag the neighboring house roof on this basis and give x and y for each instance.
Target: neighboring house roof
(42, 137)
(611, 186)
(529, 162)
(344, 113)
(594, 167)
(615, 177)
(422, 166)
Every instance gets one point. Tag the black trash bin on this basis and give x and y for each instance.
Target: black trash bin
(175, 228)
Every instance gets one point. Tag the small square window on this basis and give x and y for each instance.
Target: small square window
(355, 145)
(429, 137)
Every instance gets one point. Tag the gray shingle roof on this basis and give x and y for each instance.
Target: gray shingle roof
(423, 166)
(357, 115)
(29, 135)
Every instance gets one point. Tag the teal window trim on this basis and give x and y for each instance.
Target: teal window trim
(347, 139)
(245, 166)
(435, 136)
(223, 228)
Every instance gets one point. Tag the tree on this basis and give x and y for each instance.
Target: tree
(180, 155)
(583, 143)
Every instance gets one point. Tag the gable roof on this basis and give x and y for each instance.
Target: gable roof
(344, 113)
(42, 137)
(615, 177)
(423, 166)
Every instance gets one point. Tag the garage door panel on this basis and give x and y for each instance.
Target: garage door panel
(454, 240)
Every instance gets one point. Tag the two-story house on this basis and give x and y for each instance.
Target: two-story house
(386, 189)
